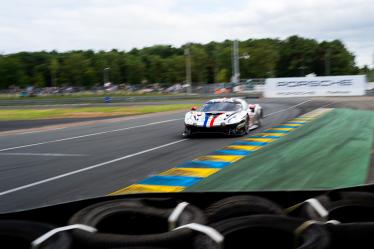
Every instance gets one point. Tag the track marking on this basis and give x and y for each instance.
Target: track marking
(39, 154)
(282, 129)
(194, 172)
(173, 181)
(264, 140)
(243, 147)
(141, 188)
(219, 158)
(88, 135)
(88, 168)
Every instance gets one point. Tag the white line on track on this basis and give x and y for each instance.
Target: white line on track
(88, 135)
(291, 107)
(39, 154)
(88, 168)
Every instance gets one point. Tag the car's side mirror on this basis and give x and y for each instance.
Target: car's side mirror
(194, 108)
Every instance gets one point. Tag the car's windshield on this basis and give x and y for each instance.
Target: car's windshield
(221, 107)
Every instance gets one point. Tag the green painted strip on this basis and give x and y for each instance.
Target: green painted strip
(330, 152)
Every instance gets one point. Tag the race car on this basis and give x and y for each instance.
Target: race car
(230, 116)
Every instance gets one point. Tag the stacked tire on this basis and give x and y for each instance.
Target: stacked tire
(123, 223)
(334, 220)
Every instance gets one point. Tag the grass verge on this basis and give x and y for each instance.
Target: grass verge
(34, 114)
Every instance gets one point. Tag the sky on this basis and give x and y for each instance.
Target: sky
(125, 24)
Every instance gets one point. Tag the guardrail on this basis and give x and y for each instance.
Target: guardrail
(370, 92)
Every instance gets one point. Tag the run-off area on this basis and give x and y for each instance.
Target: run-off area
(333, 151)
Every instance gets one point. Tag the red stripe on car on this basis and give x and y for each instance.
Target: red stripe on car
(212, 121)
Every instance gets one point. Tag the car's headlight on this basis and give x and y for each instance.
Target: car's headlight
(189, 119)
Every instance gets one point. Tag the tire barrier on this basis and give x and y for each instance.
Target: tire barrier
(142, 247)
(344, 207)
(125, 223)
(266, 231)
(21, 235)
(237, 206)
(351, 235)
(334, 220)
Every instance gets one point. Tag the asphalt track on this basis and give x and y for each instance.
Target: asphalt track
(50, 167)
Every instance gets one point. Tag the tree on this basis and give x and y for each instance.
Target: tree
(12, 73)
(53, 68)
(199, 63)
(368, 72)
(76, 70)
(135, 69)
(262, 61)
(334, 59)
(175, 69)
(223, 75)
(297, 57)
(165, 64)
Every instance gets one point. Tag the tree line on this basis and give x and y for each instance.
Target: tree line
(165, 64)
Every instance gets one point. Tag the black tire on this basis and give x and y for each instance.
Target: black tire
(122, 223)
(259, 122)
(19, 234)
(265, 231)
(137, 247)
(245, 130)
(187, 133)
(351, 235)
(237, 206)
(259, 118)
(342, 206)
(246, 127)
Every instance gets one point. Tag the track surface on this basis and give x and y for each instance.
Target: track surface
(38, 169)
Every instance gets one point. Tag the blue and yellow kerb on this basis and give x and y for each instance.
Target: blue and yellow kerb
(191, 172)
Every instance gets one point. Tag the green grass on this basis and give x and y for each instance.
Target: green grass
(34, 114)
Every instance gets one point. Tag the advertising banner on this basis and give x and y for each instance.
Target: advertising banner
(347, 85)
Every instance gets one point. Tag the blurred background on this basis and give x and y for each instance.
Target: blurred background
(165, 69)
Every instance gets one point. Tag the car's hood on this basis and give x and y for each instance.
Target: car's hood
(208, 119)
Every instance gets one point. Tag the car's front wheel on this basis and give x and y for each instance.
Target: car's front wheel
(187, 132)
(244, 131)
(246, 127)
(259, 122)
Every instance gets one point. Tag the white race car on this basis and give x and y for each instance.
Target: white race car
(230, 116)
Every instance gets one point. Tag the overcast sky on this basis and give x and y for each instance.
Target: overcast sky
(124, 24)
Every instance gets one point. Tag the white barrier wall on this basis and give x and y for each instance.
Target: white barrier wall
(347, 85)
